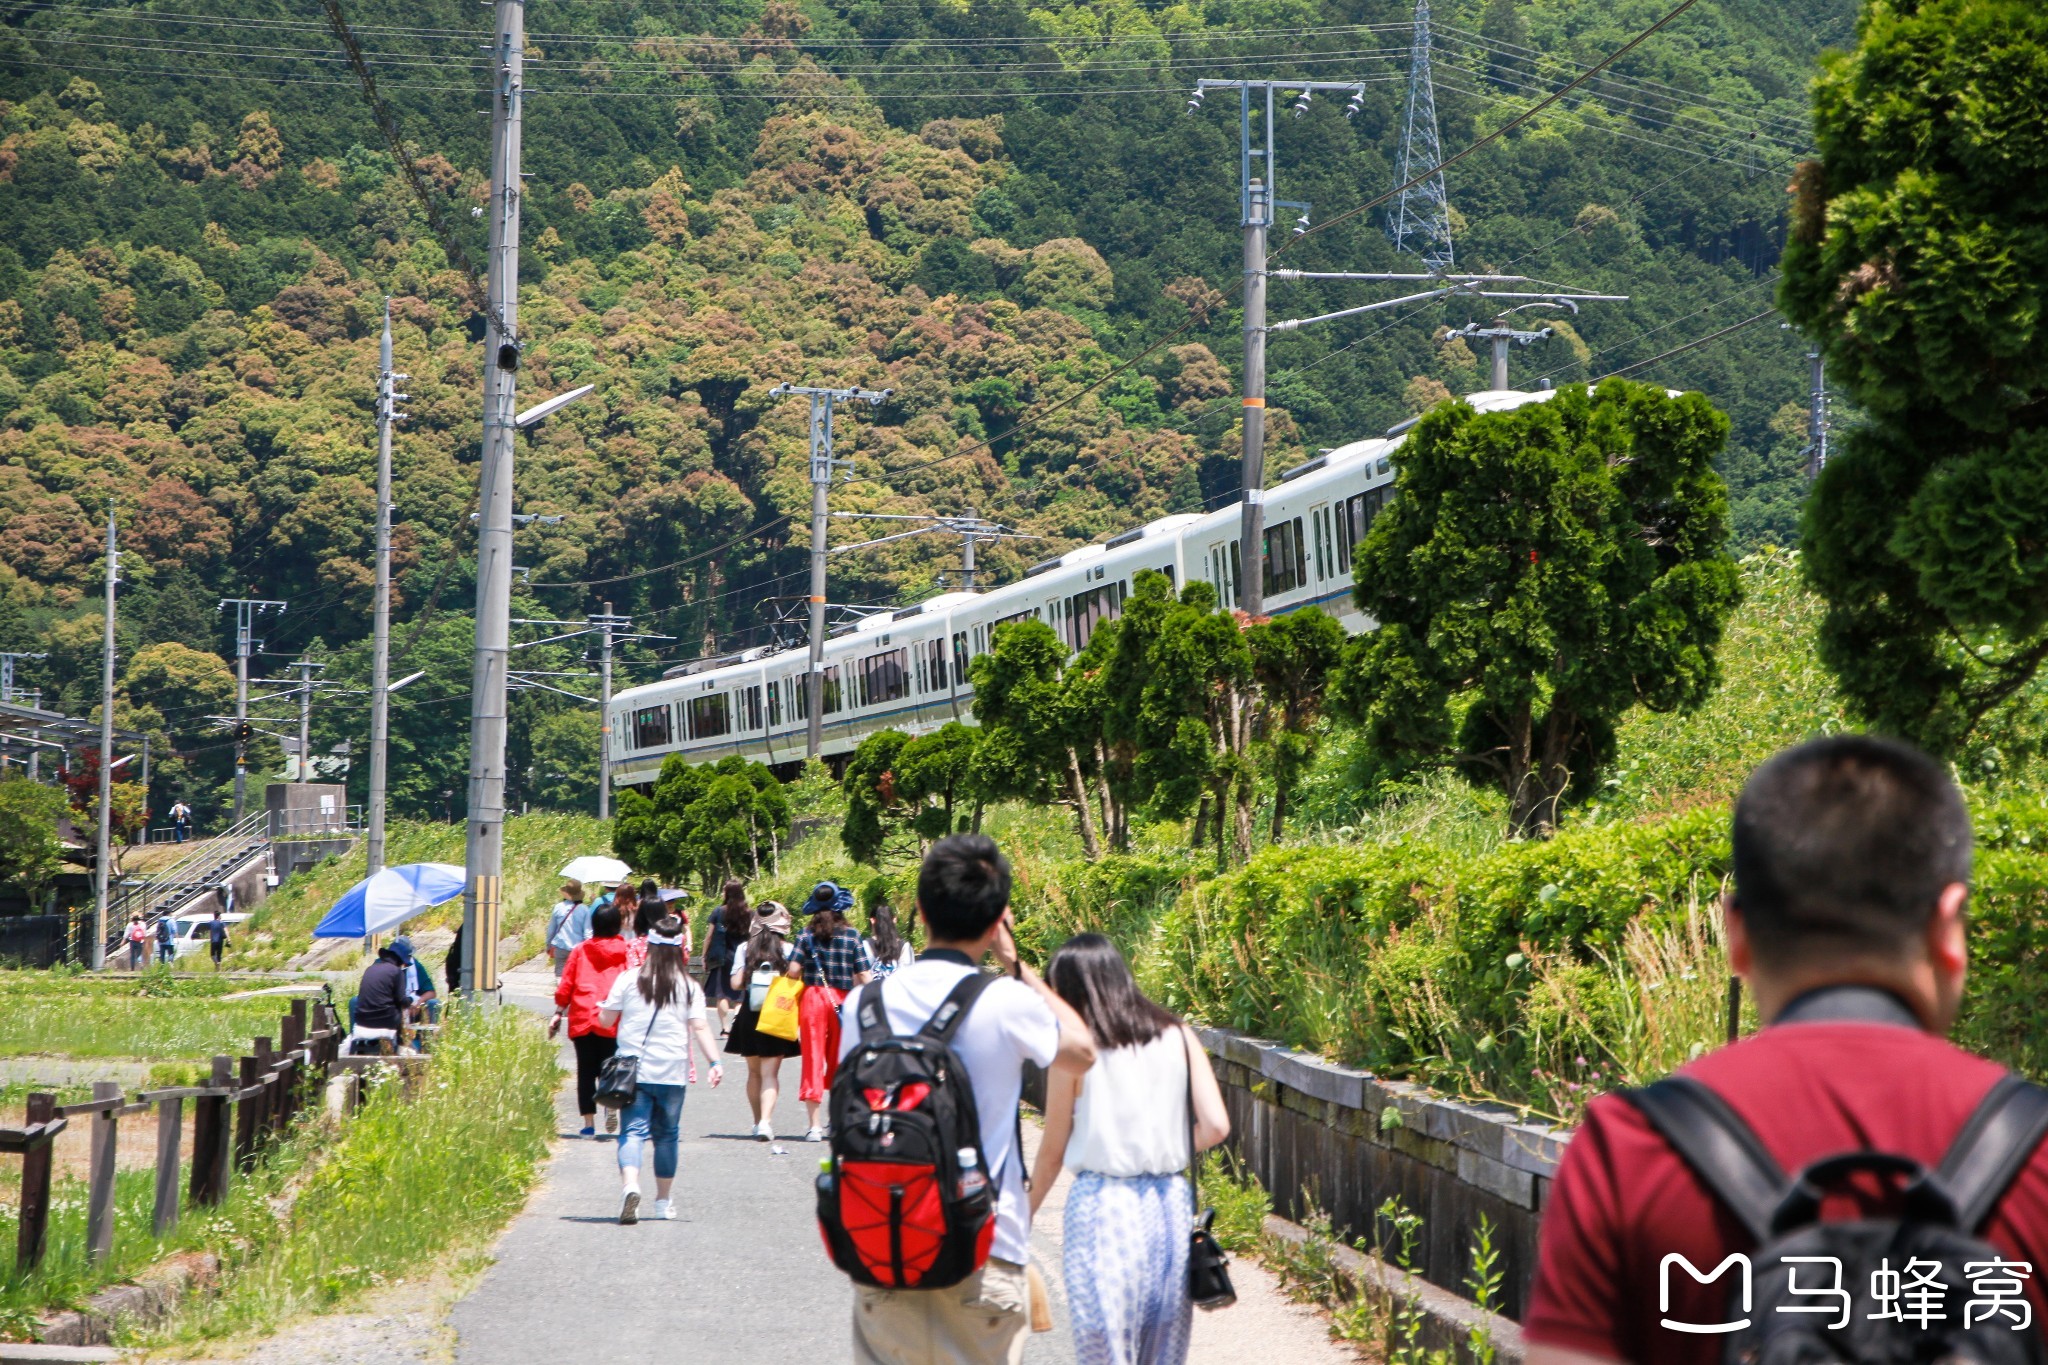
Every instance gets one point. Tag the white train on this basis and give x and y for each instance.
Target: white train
(907, 670)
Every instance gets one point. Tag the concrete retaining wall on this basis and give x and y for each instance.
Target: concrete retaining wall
(1342, 1140)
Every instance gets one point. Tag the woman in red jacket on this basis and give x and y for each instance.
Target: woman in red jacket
(586, 979)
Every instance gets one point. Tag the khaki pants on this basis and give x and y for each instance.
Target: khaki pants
(980, 1321)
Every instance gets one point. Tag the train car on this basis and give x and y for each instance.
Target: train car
(907, 670)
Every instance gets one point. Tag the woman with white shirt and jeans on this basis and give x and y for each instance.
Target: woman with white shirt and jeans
(656, 1010)
(1124, 1128)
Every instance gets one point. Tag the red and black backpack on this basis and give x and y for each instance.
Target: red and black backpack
(897, 1205)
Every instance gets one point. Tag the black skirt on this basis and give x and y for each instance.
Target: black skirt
(747, 1041)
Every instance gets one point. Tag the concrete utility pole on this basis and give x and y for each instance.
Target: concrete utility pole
(1817, 418)
(247, 610)
(1258, 215)
(388, 399)
(823, 400)
(102, 851)
(305, 691)
(484, 855)
(1500, 337)
(605, 624)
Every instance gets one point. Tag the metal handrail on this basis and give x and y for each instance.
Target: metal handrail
(175, 884)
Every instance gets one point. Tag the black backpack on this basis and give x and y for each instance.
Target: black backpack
(898, 1207)
(1943, 1293)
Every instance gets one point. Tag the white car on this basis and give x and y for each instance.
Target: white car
(192, 930)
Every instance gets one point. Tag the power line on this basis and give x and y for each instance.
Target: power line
(1694, 344)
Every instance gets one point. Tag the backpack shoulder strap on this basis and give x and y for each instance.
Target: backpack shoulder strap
(872, 1016)
(1720, 1148)
(946, 1018)
(1994, 1147)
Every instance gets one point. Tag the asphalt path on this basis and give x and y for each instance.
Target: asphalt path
(738, 1275)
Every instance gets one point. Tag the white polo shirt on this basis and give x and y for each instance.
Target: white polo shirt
(1008, 1025)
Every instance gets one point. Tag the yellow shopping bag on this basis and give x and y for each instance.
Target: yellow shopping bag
(778, 1012)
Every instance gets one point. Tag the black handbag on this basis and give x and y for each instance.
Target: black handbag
(1209, 1286)
(618, 1080)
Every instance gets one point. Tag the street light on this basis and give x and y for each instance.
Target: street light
(547, 408)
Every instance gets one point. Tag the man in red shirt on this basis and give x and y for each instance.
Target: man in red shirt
(1852, 864)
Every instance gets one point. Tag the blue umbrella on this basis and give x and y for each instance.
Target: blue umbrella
(388, 898)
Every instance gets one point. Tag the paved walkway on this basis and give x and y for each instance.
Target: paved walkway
(742, 1263)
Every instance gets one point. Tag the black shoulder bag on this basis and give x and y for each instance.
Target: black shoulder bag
(618, 1080)
(1209, 1284)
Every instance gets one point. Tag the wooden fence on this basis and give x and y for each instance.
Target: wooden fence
(265, 1090)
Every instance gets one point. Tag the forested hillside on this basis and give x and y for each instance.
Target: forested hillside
(982, 206)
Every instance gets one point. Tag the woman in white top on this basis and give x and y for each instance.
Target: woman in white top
(655, 1010)
(1124, 1127)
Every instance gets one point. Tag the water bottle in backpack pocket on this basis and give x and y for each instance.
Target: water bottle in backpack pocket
(1923, 1287)
(906, 1200)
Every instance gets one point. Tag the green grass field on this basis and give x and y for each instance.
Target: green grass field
(157, 1016)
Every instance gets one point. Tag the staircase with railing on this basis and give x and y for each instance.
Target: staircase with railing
(173, 889)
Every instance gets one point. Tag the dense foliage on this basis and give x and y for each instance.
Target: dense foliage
(703, 823)
(1917, 261)
(980, 206)
(1541, 572)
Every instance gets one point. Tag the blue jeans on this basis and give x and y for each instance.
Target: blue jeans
(656, 1110)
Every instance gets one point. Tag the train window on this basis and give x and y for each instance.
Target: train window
(1319, 532)
(799, 696)
(882, 676)
(710, 716)
(651, 727)
(775, 703)
(1224, 572)
(748, 702)
(960, 659)
(1282, 557)
(1086, 610)
(1355, 516)
(934, 655)
(832, 698)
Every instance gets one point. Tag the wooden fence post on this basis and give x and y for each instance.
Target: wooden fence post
(32, 1234)
(99, 1206)
(210, 1137)
(170, 1129)
(245, 1116)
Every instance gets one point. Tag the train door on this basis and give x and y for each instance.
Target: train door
(1224, 572)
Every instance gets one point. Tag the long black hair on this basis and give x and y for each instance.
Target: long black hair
(647, 915)
(662, 977)
(736, 915)
(1092, 976)
(882, 932)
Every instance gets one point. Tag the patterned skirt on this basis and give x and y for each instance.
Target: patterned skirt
(1125, 1252)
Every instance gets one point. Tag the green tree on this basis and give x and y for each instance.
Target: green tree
(1292, 658)
(565, 760)
(936, 773)
(1540, 572)
(707, 823)
(875, 808)
(1027, 745)
(1195, 721)
(1916, 260)
(30, 853)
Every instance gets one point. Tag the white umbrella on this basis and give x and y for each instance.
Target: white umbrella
(595, 867)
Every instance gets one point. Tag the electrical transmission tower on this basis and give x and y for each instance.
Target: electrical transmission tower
(1421, 220)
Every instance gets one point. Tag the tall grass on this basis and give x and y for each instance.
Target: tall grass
(156, 1015)
(407, 1182)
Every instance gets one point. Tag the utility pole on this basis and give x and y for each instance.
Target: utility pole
(1257, 199)
(305, 691)
(388, 399)
(604, 625)
(247, 610)
(970, 528)
(103, 849)
(1817, 418)
(484, 853)
(145, 788)
(823, 400)
(1500, 337)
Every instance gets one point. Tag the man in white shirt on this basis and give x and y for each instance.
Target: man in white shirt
(963, 897)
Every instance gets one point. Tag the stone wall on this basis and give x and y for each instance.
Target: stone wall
(1333, 1138)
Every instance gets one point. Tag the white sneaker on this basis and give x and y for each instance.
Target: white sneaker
(815, 1135)
(765, 1131)
(629, 1207)
(665, 1209)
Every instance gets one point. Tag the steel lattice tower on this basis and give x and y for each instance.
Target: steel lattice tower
(1421, 220)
